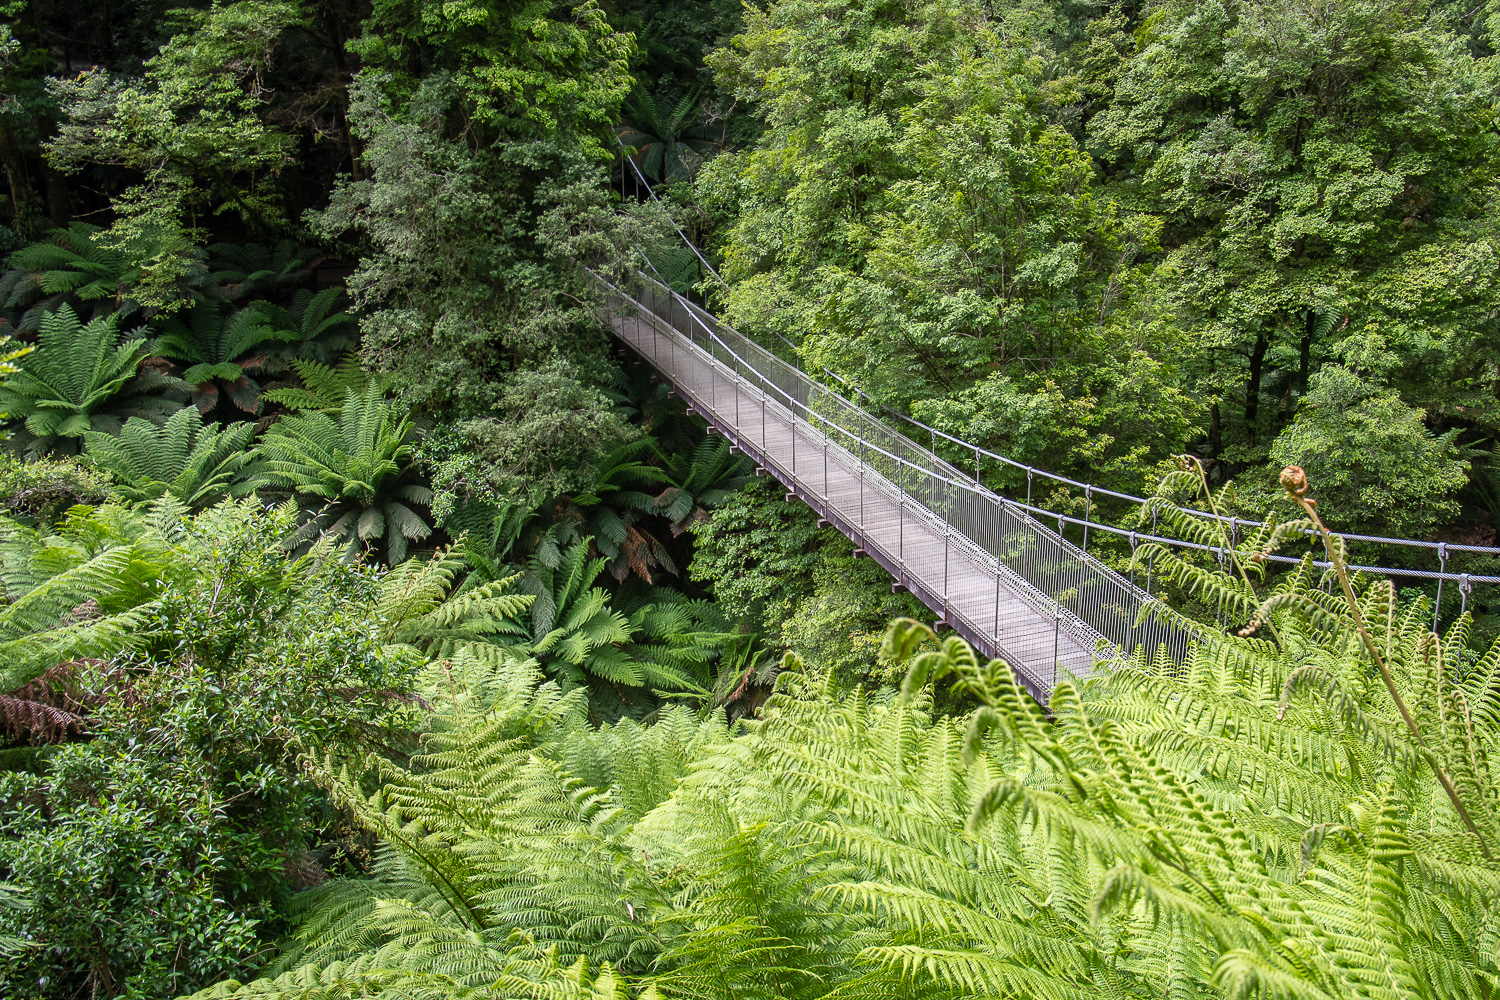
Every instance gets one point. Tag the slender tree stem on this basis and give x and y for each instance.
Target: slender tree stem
(1300, 495)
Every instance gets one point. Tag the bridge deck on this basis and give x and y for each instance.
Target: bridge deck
(969, 589)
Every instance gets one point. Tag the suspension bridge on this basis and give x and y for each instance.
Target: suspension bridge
(1012, 587)
(987, 565)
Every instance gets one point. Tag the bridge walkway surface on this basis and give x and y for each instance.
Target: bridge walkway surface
(1010, 586)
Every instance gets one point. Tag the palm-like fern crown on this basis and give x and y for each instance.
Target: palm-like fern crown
(221, 353)
(324, 388)
(422, 604)
(68, 266)
(572, 628)
(660, 642)
(611, 510)
(354, 464)
(702, 480)
(80, 377)
(75, 593)
(80, 365)
(312, 322)
(194, 462)
(667, 137)
(351, 457)
(247, 268)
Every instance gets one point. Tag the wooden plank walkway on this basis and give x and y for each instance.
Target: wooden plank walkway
(970, 590)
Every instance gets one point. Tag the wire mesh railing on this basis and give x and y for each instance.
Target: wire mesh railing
(983, 562)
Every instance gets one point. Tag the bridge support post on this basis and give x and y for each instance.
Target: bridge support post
(997, 601)
(900, 518)
(826, 495)
(792, 426)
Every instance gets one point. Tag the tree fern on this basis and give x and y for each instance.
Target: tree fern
(73, 595)
(323, 388)
(193, 462)
(422, 606)
(613, 511)
(1256, 820)
(354, 468)
(670, 141)
(81, 377)
(702, 480)
(659, 642)
(311, 322)
(248, 269)
(222, 355)
(68, 267)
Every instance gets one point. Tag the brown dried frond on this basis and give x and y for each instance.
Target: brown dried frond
(52, 708)
(302, 869)
(637, 549)
(84, 612)
(38, 723)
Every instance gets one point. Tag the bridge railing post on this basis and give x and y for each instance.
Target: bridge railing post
(862, 540)
(900, 520)
(1056, 637)
(792, 427)
(1437, 607)
(764, 451)
(997, 601)
(945, 560)
(827, 497)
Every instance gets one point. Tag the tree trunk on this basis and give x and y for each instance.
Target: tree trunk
(335, 34)
(59, 207)
(1304, 354)
(23, 198)
(1252, 385)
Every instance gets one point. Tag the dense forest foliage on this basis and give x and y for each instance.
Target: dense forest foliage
(373, 624)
